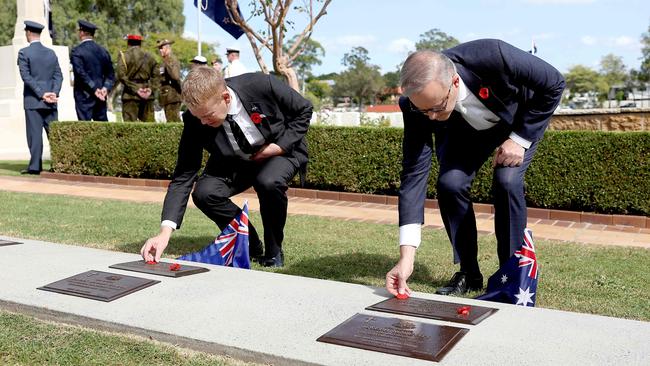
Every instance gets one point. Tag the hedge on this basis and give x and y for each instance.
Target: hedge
(606, 172)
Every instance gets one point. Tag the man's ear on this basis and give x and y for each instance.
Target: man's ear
(225, 96)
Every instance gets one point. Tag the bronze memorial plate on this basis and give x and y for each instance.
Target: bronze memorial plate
(160, 268)
(395, 336)
(96, 285)
(4, 243)
(432, 309)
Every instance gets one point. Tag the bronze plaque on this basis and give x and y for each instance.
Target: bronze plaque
(395, 336)
(432, 309)
(96, 285)
(4, 243)
(160, 268)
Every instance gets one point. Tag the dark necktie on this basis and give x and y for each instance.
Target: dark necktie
(241, 139)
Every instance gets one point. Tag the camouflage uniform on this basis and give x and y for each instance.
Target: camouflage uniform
(136, 69)
(170, 88)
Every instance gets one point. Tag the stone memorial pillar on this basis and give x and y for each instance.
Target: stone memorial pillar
(13, 140)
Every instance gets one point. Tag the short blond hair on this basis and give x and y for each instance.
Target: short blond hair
(201, 84)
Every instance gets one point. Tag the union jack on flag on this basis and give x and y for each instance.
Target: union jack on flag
(516, 282)
(230, 248)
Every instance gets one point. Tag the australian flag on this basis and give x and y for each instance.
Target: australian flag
(230, 248)
(516, 282)
(216, 10)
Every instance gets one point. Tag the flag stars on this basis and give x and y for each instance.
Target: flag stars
(504, 278)
(524, 297)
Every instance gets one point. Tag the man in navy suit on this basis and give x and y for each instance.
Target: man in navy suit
(253, 126)
(93, 75)
(40, 71)
(478, 99)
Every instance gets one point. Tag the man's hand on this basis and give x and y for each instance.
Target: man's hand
(101, 94)
(50, 97)
(509, 154)
(144, 93)
(267, 151)
(154, 247)
(396, 277)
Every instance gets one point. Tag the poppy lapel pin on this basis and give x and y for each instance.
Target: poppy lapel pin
(484, 93)
(257, 117)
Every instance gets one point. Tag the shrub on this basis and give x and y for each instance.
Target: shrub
(606, 172)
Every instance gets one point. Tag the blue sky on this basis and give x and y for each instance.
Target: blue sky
(566, 32)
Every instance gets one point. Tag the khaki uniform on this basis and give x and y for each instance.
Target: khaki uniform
(170, 88)
(137, 69)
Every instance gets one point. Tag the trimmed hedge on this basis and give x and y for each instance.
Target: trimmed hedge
(606, 172)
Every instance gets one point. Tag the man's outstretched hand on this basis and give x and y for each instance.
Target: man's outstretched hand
(154, 247)
(396, 277)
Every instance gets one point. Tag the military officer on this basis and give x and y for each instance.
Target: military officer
(94, 76)
(40, 71)
(170, 82)
(137, 71)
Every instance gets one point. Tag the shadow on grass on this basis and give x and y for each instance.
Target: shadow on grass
(353, 268)
(178, 245)
(13, 166)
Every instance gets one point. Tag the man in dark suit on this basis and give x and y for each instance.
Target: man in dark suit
(93, 75)
(254, 128)
(479, 99)
(40, 71)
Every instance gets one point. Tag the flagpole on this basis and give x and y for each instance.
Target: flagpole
(199, 4)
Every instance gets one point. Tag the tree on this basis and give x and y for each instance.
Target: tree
(310, 56)
(183, 48)
(644, 74)
(7, 21)
(361, 80)
(275, 13)
(581, 79)
(613, 70)
(115, 18)
(391, 79)
(435, 40)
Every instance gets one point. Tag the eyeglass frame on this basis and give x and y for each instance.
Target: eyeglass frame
(432, 110)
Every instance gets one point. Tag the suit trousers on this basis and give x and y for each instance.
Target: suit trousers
(270, 179)
(89, 109)
(35, 121)
(461, 151)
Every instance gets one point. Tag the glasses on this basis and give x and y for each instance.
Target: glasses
(434, 109)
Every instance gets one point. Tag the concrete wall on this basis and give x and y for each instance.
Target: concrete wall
(612, 119)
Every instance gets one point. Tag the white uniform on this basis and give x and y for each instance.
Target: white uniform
(234, 68)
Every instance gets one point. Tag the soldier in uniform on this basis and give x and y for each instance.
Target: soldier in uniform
(93, 75)
(137, 71)
(170, 82)
(40, 71)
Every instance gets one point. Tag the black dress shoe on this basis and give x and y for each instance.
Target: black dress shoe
(277, 261)
(33, 172)
(256, 251)
(461, 283)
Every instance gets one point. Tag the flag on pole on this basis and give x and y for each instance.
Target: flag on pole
(230, 248)
(533, 47)
(216, 10)
(516, 282)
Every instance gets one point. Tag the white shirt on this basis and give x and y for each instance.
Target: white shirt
(479, 117)
(243, 120)
(234, 68)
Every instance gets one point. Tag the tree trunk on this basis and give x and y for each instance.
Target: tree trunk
(287, 71)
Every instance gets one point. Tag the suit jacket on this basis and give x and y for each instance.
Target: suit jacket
(40, 71)
(93, 69)
(523, 91)
(286, 120)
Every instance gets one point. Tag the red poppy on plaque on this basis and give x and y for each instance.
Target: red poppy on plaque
(175, 267)
(484, 93)
(257, 118)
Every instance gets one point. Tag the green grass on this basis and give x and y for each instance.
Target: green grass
(26, 341)
(611, 281)
(13, 167)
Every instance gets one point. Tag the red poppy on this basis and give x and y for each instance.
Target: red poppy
(256, 117)
(484, 93)
(151, 262)
(403, 296)
(175, 267)
(464, 310)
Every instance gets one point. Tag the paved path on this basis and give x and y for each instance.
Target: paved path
(345, 210)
